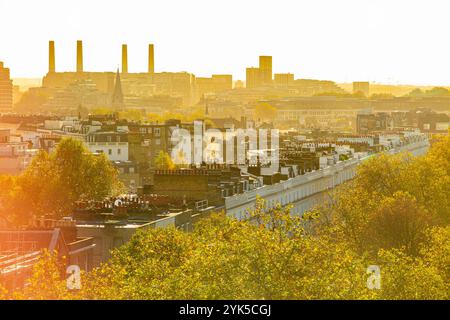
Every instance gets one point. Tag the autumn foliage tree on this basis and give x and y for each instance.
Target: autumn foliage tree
(164, 161)
(52, 183)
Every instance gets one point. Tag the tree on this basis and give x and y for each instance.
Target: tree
(8, 185)
(438, 92)
(47, 281)
(3, 293)
(52, 183)
(404, 278)
(410, 192)
(398, 222)
(435, 251)
(268, 256)
(164, 161)
(416, 93)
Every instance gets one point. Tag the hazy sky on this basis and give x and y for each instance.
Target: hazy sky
(389, 41)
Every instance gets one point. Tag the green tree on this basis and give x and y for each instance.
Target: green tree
(46, 281)
(54, 182)
(3, 293)
(398, 222)
(8, 185)
(164, 161)
(268, 256)
(404, 278)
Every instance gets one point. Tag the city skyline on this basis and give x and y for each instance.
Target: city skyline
(376, 43)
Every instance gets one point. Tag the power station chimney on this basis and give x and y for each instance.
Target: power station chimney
(79, 56)
(51, 56)
(151, 59)
(124, 59)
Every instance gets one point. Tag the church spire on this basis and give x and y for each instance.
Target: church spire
(117, 97)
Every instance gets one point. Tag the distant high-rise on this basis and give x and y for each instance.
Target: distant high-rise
(79, 56)
(6, 89)
(265, 67)
(253, 78)
(51, 56)
(124, 59)
(151, 59)
(261, 76)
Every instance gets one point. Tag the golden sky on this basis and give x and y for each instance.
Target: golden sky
(389, 41)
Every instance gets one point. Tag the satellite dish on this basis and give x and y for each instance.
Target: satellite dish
(118, 202)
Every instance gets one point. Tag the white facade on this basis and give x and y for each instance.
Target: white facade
(303, 192)
(115, 151)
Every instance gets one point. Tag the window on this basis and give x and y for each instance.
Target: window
(108, 138)
(109, 151)
(119, 151)
(157, 132)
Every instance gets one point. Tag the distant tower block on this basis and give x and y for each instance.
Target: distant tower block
(265, 67)
(51, 56)
(151, 59)
(79, 56)
(124, 59)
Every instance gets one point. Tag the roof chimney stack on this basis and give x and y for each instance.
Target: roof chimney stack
(124, 59)
(79, 56)
(51, 56)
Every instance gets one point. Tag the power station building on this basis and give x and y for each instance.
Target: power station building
(102, 84)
